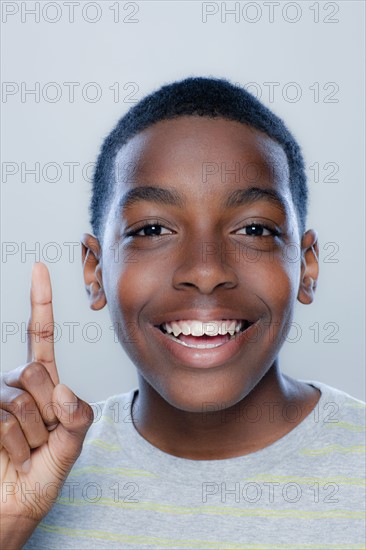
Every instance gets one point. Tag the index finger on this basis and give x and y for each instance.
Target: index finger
(40, 329)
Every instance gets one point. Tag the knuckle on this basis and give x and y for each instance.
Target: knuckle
(19, 454)
(41, 333)
(8, 424)
(24, 401)
(89, 414)
(10, 378)
(24, 408)
(38, 440)
(8, 398)
(34, 373)
(12, 405)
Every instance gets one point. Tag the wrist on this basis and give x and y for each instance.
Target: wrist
(15, 531)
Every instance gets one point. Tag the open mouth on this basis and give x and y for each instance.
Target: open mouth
(204, 335)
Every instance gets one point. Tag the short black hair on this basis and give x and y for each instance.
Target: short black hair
(196, 96)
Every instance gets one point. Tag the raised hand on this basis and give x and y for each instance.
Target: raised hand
(42, 425)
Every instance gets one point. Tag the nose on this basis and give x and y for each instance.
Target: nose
(204, 267)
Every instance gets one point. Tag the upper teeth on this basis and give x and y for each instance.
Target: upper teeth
(199, 328)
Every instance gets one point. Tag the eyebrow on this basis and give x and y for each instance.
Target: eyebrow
(157, 195)
(171, 197)
(240, 197)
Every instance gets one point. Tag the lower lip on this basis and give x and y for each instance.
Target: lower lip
(209, 357)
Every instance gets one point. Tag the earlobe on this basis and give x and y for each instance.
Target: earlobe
(92, 271)
(306, 291)
(97, 299)
(309, 267)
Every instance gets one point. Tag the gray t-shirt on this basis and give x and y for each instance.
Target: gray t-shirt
(304, 491)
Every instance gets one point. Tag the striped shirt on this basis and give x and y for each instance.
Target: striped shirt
(304, 491)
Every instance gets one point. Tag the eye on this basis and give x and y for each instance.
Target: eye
(150, 229)
(259, 230)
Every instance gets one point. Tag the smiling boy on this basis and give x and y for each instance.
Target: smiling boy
(199, 202)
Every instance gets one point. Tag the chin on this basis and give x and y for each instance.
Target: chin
(203, 398)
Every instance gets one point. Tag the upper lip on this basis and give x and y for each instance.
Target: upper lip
(204, 316)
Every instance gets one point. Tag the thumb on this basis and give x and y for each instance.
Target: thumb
(75, 418)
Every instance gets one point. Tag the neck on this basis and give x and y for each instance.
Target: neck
(259, 419)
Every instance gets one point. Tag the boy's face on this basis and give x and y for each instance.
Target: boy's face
(209, 257)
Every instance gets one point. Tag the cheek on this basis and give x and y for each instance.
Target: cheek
(130, 287)
(275, 282)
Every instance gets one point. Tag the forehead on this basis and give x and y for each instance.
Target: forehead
(199, 148)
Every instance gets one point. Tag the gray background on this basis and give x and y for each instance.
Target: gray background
(169, 41)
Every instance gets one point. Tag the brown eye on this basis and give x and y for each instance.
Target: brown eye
(258, 230)
(148, 230)
(151, 230)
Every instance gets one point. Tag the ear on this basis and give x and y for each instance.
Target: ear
(92, 270)
(309, 267)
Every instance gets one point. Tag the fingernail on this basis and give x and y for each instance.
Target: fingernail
(26, 466)
(52, 427)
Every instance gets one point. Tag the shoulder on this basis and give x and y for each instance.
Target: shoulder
(348, 405)
(337, 426)
(111, 419)
(110, 407)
